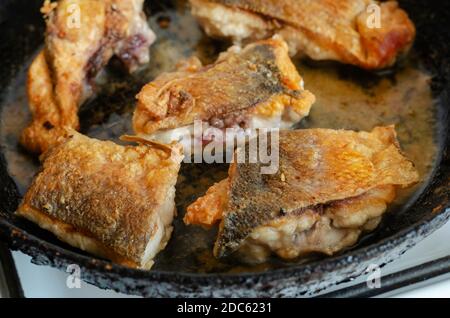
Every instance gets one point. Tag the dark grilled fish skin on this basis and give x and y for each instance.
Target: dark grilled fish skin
(318, 167)
(256, 80)
(340, 30)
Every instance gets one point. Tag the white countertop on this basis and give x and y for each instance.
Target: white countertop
(40, 281)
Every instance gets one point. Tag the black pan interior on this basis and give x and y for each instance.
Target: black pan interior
(107, 116)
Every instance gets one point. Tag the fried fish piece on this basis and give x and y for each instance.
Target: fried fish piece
(331, 186)
(114, 201)
(253, 87)
(347, 31)
(81, 37)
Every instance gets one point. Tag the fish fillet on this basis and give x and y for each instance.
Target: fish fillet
(253, 87)
(331, 186)
(366, 33)
(113, 201)
(81, 37)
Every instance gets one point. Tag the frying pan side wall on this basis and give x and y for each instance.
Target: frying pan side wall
(20, 35)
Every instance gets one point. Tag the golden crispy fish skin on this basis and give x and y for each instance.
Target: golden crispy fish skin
(81, 37)
(207, 210)
(344, 30)
(259, 79)
(322, 172)
(110, 200)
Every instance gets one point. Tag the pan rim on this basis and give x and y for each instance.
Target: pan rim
(361, 254)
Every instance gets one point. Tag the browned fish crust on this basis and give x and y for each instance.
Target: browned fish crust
(319, 169)
(238, 83)
(107, 195)
(61, 77)
(342, 30)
